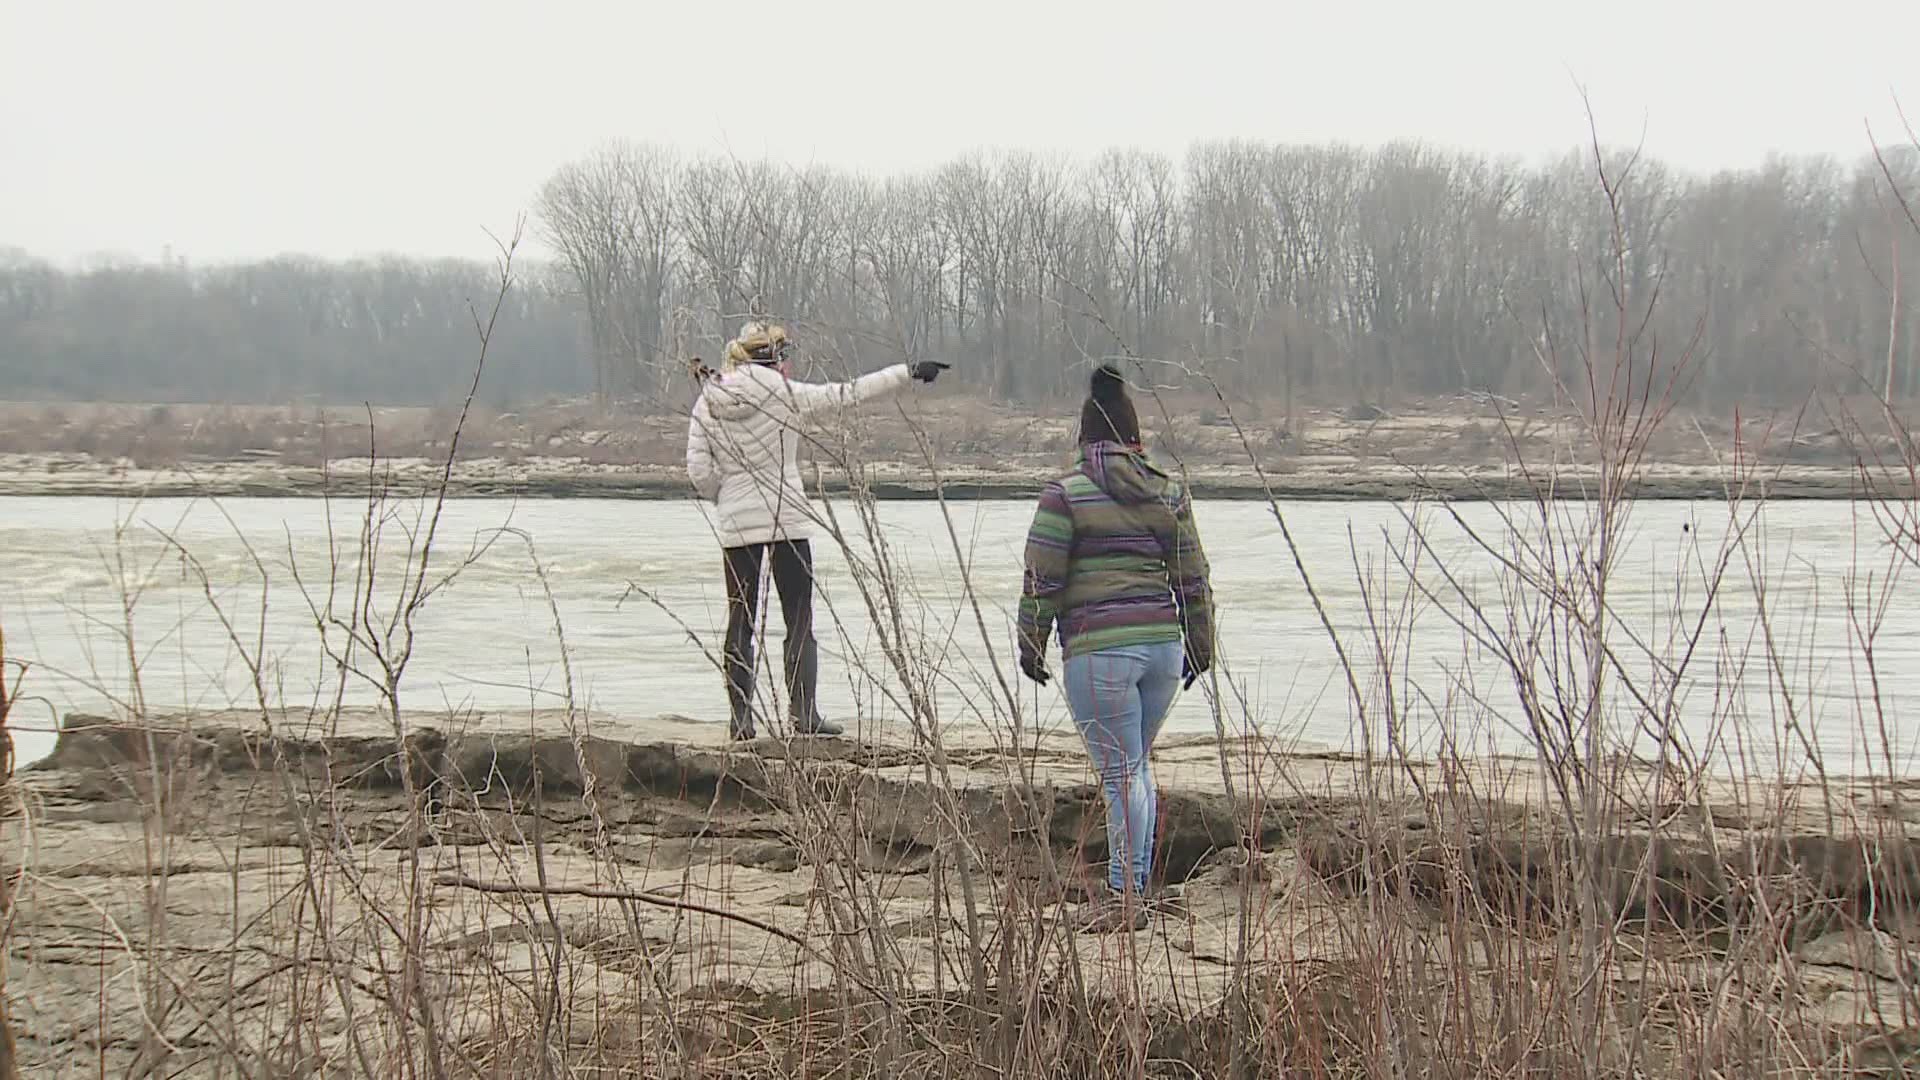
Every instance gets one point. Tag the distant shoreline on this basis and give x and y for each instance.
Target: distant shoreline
(1448, 449)
(72, 476)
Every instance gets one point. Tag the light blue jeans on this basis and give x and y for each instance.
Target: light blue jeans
(1119, 698)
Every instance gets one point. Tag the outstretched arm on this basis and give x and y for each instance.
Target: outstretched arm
(811, 398)
(1049, 563)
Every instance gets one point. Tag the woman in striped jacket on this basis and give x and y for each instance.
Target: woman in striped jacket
(1114, 561)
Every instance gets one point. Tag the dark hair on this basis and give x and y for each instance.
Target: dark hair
(1108, 415)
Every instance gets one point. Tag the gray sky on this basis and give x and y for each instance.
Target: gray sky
(229, 129)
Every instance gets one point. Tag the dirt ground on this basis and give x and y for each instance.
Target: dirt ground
(196, 890)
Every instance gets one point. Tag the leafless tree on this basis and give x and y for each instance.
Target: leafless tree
(1337, 273)
(611, 218)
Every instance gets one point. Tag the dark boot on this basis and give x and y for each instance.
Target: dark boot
(817, 726)
(803, 678)
(793, 579)
(742, 568)
(740, 690)
(802, 656)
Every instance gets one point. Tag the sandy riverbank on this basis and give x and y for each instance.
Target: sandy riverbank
(198, 891)
(1459, 447)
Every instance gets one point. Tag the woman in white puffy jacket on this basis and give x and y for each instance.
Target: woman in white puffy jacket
(743, 456)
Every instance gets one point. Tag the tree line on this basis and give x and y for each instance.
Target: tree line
(1334, 272)
(283, 330)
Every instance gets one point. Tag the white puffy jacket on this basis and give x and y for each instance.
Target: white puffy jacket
(744, 441)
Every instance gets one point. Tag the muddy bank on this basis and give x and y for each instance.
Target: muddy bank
(234, 881)
(1457, 446)
(903, 800)
(547, 478)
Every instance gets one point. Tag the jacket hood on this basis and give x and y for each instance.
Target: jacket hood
(1125, 474)
(743, 391)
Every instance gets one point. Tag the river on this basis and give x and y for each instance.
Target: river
(488, 641)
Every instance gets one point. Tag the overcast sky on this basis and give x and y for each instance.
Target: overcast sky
(342, 128)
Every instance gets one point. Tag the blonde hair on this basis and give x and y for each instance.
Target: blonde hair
(757, 341)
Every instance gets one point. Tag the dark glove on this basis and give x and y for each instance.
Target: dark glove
(928, 370)
(1190, 672)
(1034, 667)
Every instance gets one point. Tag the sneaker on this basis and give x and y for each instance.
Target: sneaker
(1110, 914)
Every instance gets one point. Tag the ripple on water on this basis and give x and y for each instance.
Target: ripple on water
(489, 642)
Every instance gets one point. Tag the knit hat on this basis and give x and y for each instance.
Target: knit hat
(1108, 414)
(758, 343)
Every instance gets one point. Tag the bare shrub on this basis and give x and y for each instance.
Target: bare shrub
(1654, 888)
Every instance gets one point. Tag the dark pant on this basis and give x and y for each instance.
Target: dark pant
(793, 580)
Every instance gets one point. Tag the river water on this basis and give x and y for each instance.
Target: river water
(636, 583)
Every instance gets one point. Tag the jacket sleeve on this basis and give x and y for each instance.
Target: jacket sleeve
(1049, 563)
(809, 398)
(701, 468)
(1192, 591)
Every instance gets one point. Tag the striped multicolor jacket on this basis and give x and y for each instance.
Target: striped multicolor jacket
(1114, 559)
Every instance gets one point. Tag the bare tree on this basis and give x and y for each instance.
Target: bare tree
(1333, 272)
(611, 217)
